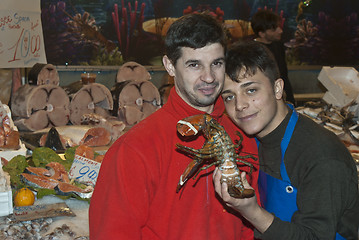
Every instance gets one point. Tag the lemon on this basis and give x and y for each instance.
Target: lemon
(24, 197)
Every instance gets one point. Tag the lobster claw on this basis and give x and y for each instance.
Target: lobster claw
(191, 169)
(191, 125)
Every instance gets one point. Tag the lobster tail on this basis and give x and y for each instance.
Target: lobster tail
(239, 192)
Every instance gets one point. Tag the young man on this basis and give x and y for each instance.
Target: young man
(266, 26)
(135, 195)
(308, 181)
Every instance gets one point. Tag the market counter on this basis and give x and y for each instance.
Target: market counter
(60, 227)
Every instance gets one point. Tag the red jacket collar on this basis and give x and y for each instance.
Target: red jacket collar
(178, 107)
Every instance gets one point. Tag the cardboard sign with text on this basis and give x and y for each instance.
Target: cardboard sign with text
(84, 170)
(21, 38)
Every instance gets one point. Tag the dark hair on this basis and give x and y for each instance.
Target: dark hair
(194, 30)
(245, 58)
(263, 20)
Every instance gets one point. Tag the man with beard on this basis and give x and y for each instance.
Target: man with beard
(135, 195)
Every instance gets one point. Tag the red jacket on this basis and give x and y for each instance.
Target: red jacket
(135, 195)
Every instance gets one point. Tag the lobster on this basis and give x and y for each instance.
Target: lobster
(218, 150)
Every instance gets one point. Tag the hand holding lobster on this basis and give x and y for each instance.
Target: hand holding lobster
(218, 150)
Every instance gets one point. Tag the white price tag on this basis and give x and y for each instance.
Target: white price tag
(84, 170)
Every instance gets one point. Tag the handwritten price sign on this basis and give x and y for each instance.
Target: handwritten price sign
(84, 170)
(21, 39)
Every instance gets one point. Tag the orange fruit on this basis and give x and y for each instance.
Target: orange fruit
(24, 197)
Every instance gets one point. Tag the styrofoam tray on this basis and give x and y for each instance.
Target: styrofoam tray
(6, 207)
(342, 84)
(9, 154)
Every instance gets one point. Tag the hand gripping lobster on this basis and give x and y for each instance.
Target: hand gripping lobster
(218, 150)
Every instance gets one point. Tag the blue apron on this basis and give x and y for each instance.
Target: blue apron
(279, 196)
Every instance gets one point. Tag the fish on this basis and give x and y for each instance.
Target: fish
(72, 133)
(97, 136)
(99, 158)
(85, 151)
(39, 181)
(58, 172)
(53, 140)
(68, 189)
(38, 171)
(55, 177)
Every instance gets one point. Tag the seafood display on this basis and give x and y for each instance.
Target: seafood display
(89, 153)
(342, 121)
(46, 173)
(218, 150)
(54, 177)
(46, 170)
(91, 98)
(10, 143)
(134, 96)
(53, 140)
(41, 74)
(111, 124)
(9, 137)
(36, 229)
(135, 100)
(97, 136)
(37, 107)
(73, 134)
(132, 71)
(60, 138)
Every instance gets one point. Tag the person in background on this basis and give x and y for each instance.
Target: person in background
(135, 195)
(267, 28)
(308, 181)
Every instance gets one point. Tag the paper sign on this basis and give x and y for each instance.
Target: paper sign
(84, 170)
(21, 39)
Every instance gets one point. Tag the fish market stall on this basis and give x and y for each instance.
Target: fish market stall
(58, 189)
(338, 110)
(55, 207)
(65, 225)
(48, 174)
(46, 188)
(54, 141)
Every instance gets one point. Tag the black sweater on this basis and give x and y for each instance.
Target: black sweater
(278, 50)
(325, 175)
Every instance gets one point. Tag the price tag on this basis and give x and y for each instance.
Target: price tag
(84, 170)
(21, 38)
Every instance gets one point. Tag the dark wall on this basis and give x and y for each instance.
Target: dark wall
(323, 32)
